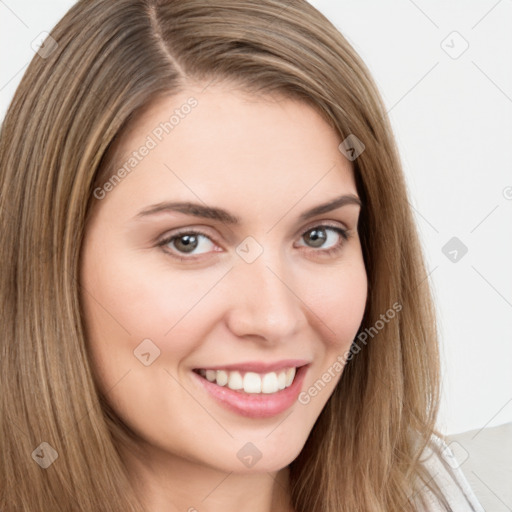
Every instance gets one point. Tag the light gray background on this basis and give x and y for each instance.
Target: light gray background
(452, 116)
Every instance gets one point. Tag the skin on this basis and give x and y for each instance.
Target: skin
(265, 160)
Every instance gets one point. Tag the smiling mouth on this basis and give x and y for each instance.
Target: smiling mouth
(250, 382)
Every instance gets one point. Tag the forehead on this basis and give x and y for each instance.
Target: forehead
(224, 145)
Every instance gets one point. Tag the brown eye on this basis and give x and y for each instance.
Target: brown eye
(187, 242)
(316, 236)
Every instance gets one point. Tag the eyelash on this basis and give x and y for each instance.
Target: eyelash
(343, 233)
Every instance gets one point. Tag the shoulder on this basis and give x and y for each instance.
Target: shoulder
(442, 466)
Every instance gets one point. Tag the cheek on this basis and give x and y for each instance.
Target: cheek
(123, 309)
(338, 311)
(340, 303)
(128, 299)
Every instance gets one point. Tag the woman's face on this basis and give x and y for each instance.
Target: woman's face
(242, 278)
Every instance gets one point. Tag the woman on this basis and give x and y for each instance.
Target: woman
(213, 293)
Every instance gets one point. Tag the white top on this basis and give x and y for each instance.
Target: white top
(440, 462)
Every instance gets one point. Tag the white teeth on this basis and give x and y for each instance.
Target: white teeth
(251, 382)
(222, 377)
(290, 374)
(269, 383)
(281, 380)
(235, 381)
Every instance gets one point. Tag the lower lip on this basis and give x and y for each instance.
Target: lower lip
(256, 405)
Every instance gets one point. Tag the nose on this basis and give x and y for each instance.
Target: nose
(265, 302)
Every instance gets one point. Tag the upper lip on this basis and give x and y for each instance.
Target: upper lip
(259, 366)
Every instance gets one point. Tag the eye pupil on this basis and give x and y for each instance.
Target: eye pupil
(318, 237)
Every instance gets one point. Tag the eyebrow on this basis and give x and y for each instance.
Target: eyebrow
(219, 214)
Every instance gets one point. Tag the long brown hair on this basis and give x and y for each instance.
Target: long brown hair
(108, 62)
